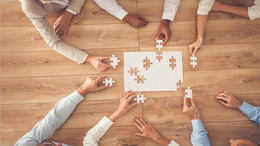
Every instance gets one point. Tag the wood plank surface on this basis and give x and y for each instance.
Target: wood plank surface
(81, 37)
(51, 63)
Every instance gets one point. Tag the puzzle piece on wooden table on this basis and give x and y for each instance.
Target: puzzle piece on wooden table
(140, 98)
(109, 82)
(114, 61)
(188, 93)
(193, 61)
(159, 44)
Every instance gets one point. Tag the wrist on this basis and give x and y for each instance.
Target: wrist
(194, 117)
(239, 104)
(200, 39)
(115, 115)
(165, 21)
(82, 91)
(88, 59)
(68, 14)
(126, 18)
(161, 140)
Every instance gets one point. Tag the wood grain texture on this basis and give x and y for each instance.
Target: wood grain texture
(81, 37)
(217, 32)
(51, 63)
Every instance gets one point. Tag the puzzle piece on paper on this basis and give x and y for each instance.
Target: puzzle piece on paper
(188, 93)
(193, 61)
(159, 55)
(140, 79)
(147, 63)
(140, 98)
(172, 62)
(109, 82)
(114, 61)
(133, 71)
(159, 44)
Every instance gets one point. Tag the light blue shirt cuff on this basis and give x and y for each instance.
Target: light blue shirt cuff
(197, 125)
(75, 97)
(246, 108)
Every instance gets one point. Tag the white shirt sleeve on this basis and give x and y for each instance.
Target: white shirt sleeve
(254, 11)
(173, 143)
(44, 129)
(112, 7)
(71, 11)
(170, 9)
(94, 134)
(205, 6)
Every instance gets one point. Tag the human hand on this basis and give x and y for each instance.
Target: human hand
(229, 100)
(62, 24)
(191, 109)
(124, 105)
(135, 20)
(164, 32)
(194, 47)
(217, 6)
(97, 63)
(148, 131)
(91, 85)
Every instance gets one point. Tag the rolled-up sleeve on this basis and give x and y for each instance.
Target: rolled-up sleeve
(205, 6)
(254, 11)
(252, 112)
(170, 9)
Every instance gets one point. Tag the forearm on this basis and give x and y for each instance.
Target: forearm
(161, 140)
(241, 11)
(170, 9)
(69, 51)
(112, 7)
(252, 112)
(94, 134)
(75, 6)
(201, 25)
(199, 135)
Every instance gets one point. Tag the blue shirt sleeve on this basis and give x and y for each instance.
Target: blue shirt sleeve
(252, 112)
(199, 136)
(45, 128)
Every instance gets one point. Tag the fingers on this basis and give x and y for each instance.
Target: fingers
(131, 97)
(142, 18)
(223, 103)
(195, 51)
(133, 104)
(191, 48)
(222, 98)
(142, 21)
(105, 65)
(137, 124)
(138, 120)
(146, 121)
(100, 79)
(124, 94)
(101, 88)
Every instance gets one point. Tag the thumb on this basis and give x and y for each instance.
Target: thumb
(101, 88)
(133, 104)
(102, 58)
(191, 48)
(139, 134)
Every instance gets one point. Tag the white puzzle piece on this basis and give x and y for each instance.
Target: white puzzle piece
(159, 44)
(188, 93)
(140, 98)
(144, 72)
(114, 61)
(109, 82)
(193, 61)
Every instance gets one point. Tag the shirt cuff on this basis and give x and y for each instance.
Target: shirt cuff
(173, 143)
(71, 11)
(197, 125)
(75, 97)
(253, 13)
(105, 122)
(84, 59)
(121, 15)
(168, 16)
(246, 108)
